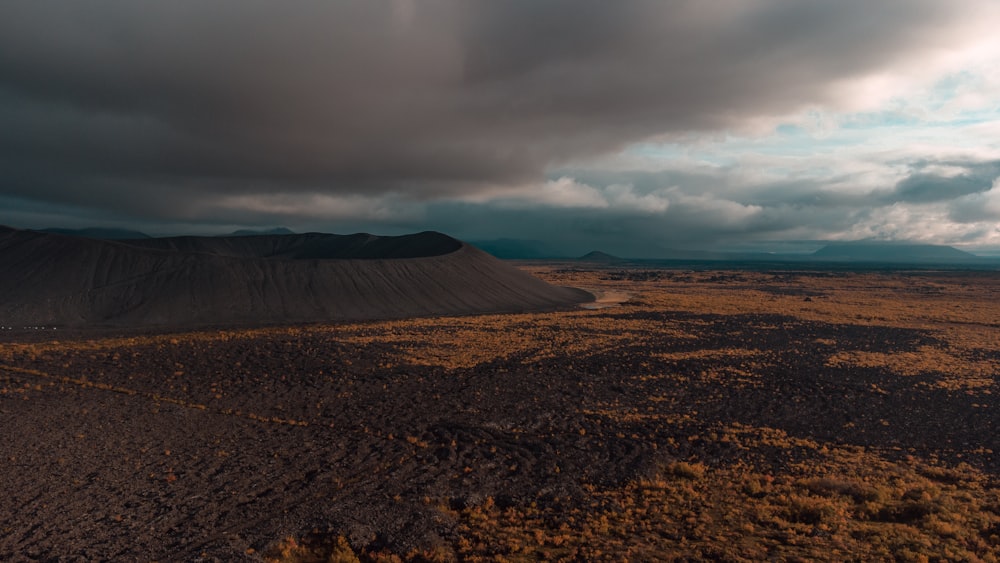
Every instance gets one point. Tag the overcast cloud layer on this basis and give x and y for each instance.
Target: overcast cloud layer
(676, 123)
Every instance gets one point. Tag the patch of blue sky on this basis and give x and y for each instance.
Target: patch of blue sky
(703, 152)
(903, 119)
(789, 130)
(793, 140)
(938, 115)
(657, 150)
(879, 119)
(787, 140)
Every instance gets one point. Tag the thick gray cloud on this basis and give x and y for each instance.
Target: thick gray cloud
(155, 110)
(925, 186)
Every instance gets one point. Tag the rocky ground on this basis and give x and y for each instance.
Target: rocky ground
(713, 415)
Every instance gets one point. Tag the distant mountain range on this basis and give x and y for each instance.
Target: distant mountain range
(99, 233)
(846, 252)
(865, 252)
(892, 252)
(261, 232)
(105, 233)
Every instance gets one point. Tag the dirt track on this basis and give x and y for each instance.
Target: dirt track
(220, 445)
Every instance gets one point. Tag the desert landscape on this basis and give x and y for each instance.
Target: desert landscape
(576, 280)
(724, 415)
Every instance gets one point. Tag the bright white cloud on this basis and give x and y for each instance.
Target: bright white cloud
(623, 196)
(568, 193)
(712, 209)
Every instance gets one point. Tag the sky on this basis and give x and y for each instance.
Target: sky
(625, 126)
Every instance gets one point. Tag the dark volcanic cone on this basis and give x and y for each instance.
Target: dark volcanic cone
(50, 279)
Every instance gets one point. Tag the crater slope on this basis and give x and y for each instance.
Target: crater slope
(56, 280)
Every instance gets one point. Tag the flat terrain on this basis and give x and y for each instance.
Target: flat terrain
(711, 415)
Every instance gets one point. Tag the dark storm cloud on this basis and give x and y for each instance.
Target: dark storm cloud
(151, 108)
(925, 186)
(981, 205)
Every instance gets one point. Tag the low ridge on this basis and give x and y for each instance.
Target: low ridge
(258, 232)
(99, 233)
(57, 280)
(311, 246)
(891, 252)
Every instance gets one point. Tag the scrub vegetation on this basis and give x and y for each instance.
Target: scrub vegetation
(713, 415)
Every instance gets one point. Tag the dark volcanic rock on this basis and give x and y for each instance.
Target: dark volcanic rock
(50, 279)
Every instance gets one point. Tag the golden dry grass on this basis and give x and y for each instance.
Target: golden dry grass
(847, 504)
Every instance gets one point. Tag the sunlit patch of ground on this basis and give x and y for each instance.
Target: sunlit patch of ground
(606, 298)
(952, 371)
(841, 503)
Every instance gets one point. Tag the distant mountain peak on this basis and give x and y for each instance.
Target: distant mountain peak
(598, 256)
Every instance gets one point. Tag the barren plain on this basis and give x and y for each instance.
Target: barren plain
(720, 415)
